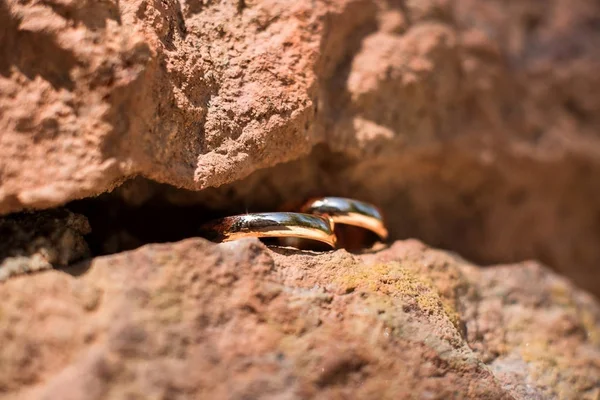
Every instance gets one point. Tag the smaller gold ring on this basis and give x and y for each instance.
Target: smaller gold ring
(350, 212)
(271, 225)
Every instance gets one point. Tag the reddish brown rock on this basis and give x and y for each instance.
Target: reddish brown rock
(237, 320)
(472, 123)
(188, 93)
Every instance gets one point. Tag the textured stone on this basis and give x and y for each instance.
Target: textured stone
(188, 93)
(474, 124)
(199, 320)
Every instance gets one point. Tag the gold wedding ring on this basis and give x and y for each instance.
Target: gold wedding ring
(316, 222)
(350, 212)
(271, 225)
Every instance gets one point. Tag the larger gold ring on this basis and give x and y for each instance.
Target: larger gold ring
(350, 212)
(271, 225)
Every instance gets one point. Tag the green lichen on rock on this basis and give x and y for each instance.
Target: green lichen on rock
(238, 320)
(537, 327)
(396, 280)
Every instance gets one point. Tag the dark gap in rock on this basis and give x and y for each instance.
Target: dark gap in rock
(37, 240)
(142, 211)
(119, 226)
(491, 213)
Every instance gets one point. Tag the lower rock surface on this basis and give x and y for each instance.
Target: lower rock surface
(198, 320)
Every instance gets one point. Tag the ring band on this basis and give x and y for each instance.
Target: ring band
(271, 225)
(350, 212)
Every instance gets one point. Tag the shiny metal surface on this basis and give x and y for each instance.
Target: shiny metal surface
(276, 224)
(349, 211)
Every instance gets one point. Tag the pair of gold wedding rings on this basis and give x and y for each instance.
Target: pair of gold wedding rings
(318, 220)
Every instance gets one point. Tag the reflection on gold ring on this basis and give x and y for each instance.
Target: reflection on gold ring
(271, 225)
(349, 211)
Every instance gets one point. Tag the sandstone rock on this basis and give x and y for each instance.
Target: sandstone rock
(473, 123)
(188, 93)
(199, 320)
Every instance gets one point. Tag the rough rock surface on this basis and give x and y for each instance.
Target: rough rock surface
(199, 320)
(473, 123)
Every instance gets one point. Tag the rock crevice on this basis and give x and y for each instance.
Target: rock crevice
(473, 124)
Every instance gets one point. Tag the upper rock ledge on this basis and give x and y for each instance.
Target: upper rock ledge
(199, 320)
(200, 93)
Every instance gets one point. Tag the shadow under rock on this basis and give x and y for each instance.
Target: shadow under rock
(77, 269)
